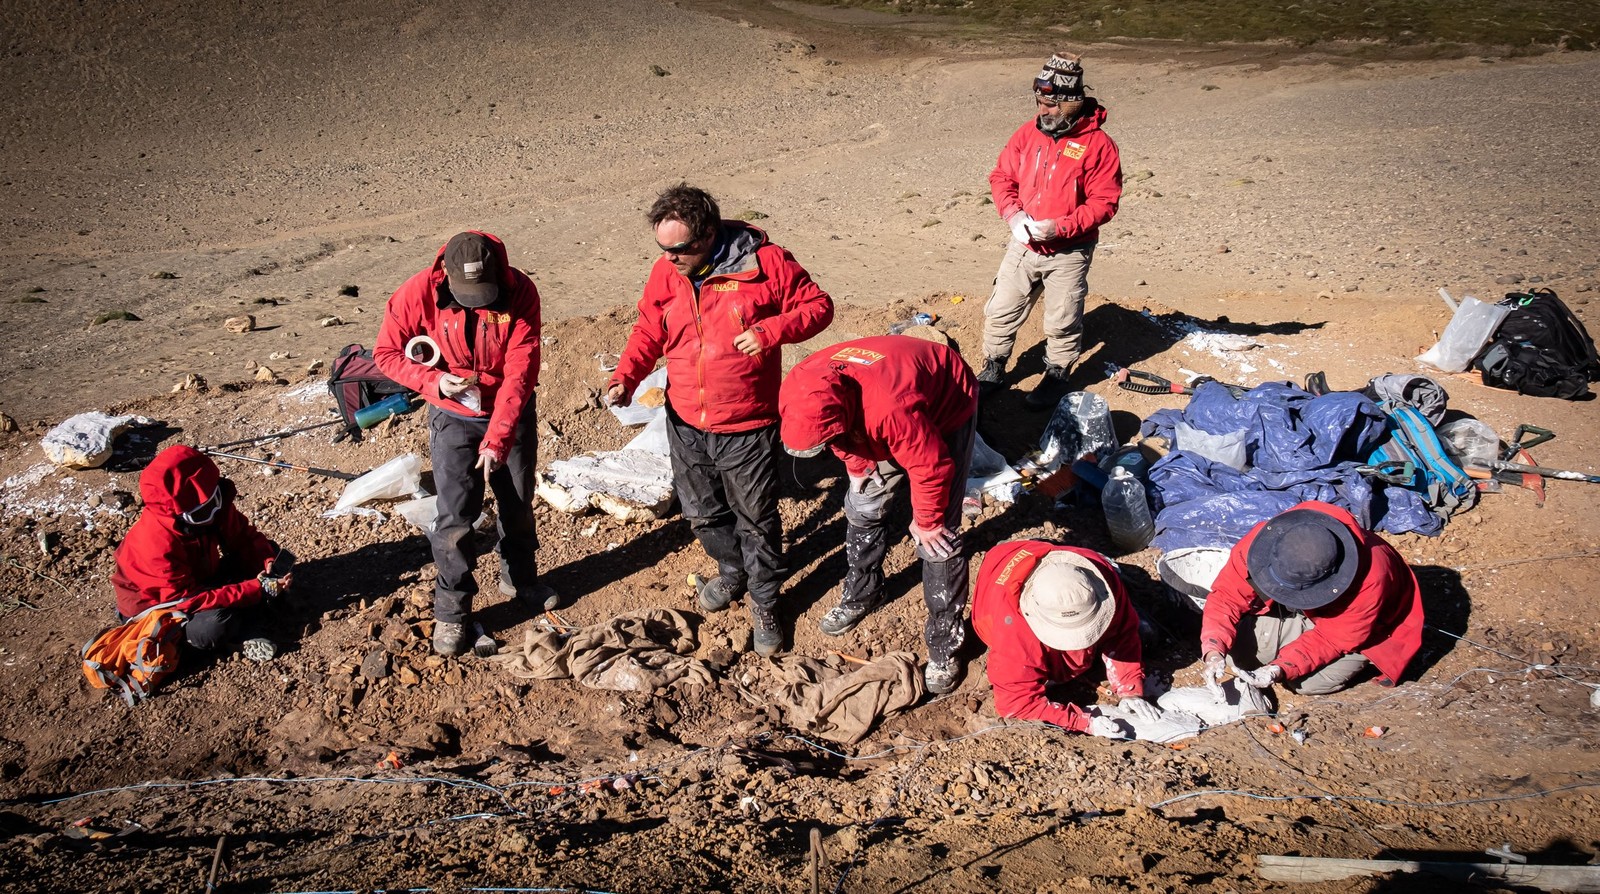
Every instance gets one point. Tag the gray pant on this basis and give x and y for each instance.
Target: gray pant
(1267, 636)
(453, 442)
(866, 541)
(1063, 278)
(728, 485)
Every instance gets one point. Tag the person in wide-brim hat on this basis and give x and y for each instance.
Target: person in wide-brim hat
(1049, 614)
(1310, 598)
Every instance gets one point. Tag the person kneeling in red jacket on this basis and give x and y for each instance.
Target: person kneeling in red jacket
(1326, 602)
(1046, 613)
(192, 546)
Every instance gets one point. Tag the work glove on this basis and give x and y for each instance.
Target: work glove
(859, 485)
(1019, 226)
(618, 396)
(1042, 230)
(1140, 709)
(1216, 667)
(488, 463)
(452, 386)
(1106, 728)
(273, 587)
(1261, 677)
(938, 541)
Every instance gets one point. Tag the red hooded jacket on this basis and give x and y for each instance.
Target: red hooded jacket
(503, 351)
(162, 559)
(712, 385)
(1074, 179)
(1020, 665)
(880, 398)
(1380, 617)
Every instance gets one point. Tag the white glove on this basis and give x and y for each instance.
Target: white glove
(1106, 728)
(1141, 709)
(1216, 666)
(1042, 230)
(451, 385)
(1019, 224)
(1260, 678)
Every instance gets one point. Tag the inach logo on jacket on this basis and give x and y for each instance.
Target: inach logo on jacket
(725, 286)
(1073, 150)
(857, 355)
(1011, 565)
(497, 319)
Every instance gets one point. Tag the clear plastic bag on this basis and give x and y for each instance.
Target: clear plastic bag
(399, 477)
(1470, 329)
(1469, 441)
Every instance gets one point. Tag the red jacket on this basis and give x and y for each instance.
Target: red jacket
(885, 397)
(712, 385)
(1074, 179)
(1381, 617)
(1020, 665)
(503, 351)
(162, 560)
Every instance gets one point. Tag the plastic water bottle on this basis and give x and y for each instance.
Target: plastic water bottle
(1127, 511)
(1130, 458)
(393, 405)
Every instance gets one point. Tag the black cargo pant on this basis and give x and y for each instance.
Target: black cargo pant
(453, 442)
(728, 485)
(866, 540)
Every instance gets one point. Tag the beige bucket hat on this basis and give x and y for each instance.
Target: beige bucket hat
(1067, 602)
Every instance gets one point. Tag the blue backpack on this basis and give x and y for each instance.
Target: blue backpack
(1443, 484)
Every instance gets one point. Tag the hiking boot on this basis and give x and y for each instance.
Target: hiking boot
(993, 375)
(941, 677)
(1050, 389)
(539, 598)
(765, 635)
(842, 619)
(712, 594)
(259, 649)
(450, 638)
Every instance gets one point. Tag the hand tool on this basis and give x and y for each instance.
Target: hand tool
(276, 464)
(1498, 465)
(277, 434)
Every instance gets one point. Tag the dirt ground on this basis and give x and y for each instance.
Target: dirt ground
(185, 165)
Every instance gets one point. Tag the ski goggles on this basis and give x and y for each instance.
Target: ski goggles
(205, 512)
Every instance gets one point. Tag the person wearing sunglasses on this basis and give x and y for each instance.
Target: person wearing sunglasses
(484, 316)
(720, 303)
(1057, 181)
(191, 545)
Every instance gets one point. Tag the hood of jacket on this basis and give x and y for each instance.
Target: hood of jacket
(814, 406)
(737, 243)
(178, 480)
(441, 286)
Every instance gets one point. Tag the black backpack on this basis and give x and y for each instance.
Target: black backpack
(1540, 349)
(356, 382)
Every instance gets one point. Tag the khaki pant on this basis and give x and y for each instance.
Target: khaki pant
(1063, 278)
(1267, 636)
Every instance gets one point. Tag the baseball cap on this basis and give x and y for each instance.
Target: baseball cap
(473, 268)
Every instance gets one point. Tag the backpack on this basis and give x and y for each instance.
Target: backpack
(136, 655)
(356, 381)
(1443, 484)
(1540, 349)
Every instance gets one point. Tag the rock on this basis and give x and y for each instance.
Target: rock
(376, 665)
(7, 424)
(314, 366)
(326, 322)
(86, 441)
(1351, 287)
(1508, 279)
(190, 382)
(265, 374)
(112, 316)
(407, 676)
(239, 325)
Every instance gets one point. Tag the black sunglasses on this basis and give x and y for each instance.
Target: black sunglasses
(681, 248)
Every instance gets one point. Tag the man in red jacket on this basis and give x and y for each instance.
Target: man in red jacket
(719, 305)
(191, 545)
(1326, 600)
(484, 316)
(1058, 179)
(1047, 612)
(893, 407)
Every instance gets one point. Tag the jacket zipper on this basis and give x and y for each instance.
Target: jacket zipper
(700, 352)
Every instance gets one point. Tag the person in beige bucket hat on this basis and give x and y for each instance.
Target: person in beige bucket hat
(1048, 613)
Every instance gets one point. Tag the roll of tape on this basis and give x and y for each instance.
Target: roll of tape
(423, 350)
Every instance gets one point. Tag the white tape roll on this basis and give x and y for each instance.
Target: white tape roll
(423, 350)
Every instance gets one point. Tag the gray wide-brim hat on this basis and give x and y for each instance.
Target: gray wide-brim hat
(1067, 602)
(1303, 559)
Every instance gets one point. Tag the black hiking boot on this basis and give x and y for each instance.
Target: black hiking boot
(993, 376)
(766, 636)
(713, 594)
(1050, 389)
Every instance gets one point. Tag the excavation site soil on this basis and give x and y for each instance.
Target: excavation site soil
(171, 167)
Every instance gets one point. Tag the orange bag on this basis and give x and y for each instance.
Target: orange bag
(137, 654)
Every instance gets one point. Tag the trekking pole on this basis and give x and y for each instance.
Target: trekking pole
(311, 470)
(1499, 465)
(280, 434)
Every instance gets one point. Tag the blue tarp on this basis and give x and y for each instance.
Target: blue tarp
(1300, 446)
